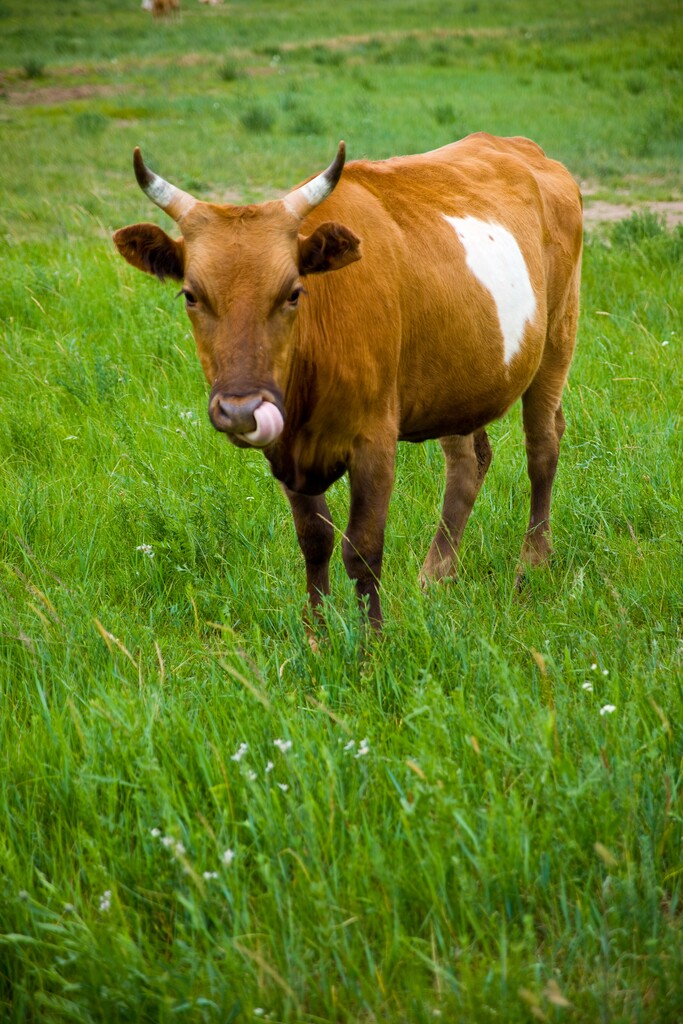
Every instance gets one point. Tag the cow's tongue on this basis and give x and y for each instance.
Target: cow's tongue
(269, 424)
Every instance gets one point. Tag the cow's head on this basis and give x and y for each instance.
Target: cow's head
(243, 270)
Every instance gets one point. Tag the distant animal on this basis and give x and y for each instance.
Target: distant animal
(161, 8)
(324, 350)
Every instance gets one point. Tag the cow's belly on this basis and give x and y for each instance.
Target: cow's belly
(460, 386)
(463, 423)
(453, 420)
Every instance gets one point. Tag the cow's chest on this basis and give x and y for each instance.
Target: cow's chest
(300, 477)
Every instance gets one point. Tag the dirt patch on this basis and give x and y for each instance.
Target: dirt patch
(600, 212)
(50, 95)
(396, 36)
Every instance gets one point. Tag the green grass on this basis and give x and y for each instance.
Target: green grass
(500, 846)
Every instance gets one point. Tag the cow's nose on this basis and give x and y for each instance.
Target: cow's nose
(234, 415)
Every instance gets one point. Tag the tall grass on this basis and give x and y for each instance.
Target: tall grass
(478, 816)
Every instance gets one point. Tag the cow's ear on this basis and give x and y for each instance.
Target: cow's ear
(148, 248)
(330, 247)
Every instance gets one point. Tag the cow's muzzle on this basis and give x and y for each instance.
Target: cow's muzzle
(254, 420)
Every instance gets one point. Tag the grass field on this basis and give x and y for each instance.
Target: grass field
(477, 817)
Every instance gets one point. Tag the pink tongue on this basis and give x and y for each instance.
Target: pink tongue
(269, 424)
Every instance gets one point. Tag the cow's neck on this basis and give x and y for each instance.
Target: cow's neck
(297, 459)
(299, 381)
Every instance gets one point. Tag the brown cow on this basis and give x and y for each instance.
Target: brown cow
(466, 298)
(161, 8)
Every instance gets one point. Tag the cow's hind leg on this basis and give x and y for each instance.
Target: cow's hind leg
(544, 423)
(543, 426)
(315, 533)
(467, 460)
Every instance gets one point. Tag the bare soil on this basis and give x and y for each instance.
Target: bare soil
(600, 212)
(55, 94)
(397, 36)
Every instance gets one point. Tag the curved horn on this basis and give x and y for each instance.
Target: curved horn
(172, 200)
(302, 200)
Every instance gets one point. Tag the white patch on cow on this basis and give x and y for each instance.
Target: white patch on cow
(495, 259)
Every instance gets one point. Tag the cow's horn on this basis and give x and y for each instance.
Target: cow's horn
(172, 200)
(302, 200)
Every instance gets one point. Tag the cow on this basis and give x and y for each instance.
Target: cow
(405, 299)
(161, 8)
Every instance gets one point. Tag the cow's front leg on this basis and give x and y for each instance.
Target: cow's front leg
(315, 534)
(371, 477)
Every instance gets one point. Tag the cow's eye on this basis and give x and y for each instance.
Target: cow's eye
(295, 295)
(190, 299)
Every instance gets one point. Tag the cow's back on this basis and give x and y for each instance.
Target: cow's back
(510, 179)
(416, 325)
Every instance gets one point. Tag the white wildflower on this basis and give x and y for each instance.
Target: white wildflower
(593, 667)
(283, 786)
(252, 776)
(155, 833)
(239, 754)
(363, 749)
(208, 875)
(269, 767)
(146, 549)
(608, 709)
(69, 908)
(105, 901)
(350, 745)
(587, 686)
(283, 745)
(228, 857)
(186, 415)
(179, 850)
(167, 841)
(605, 671)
